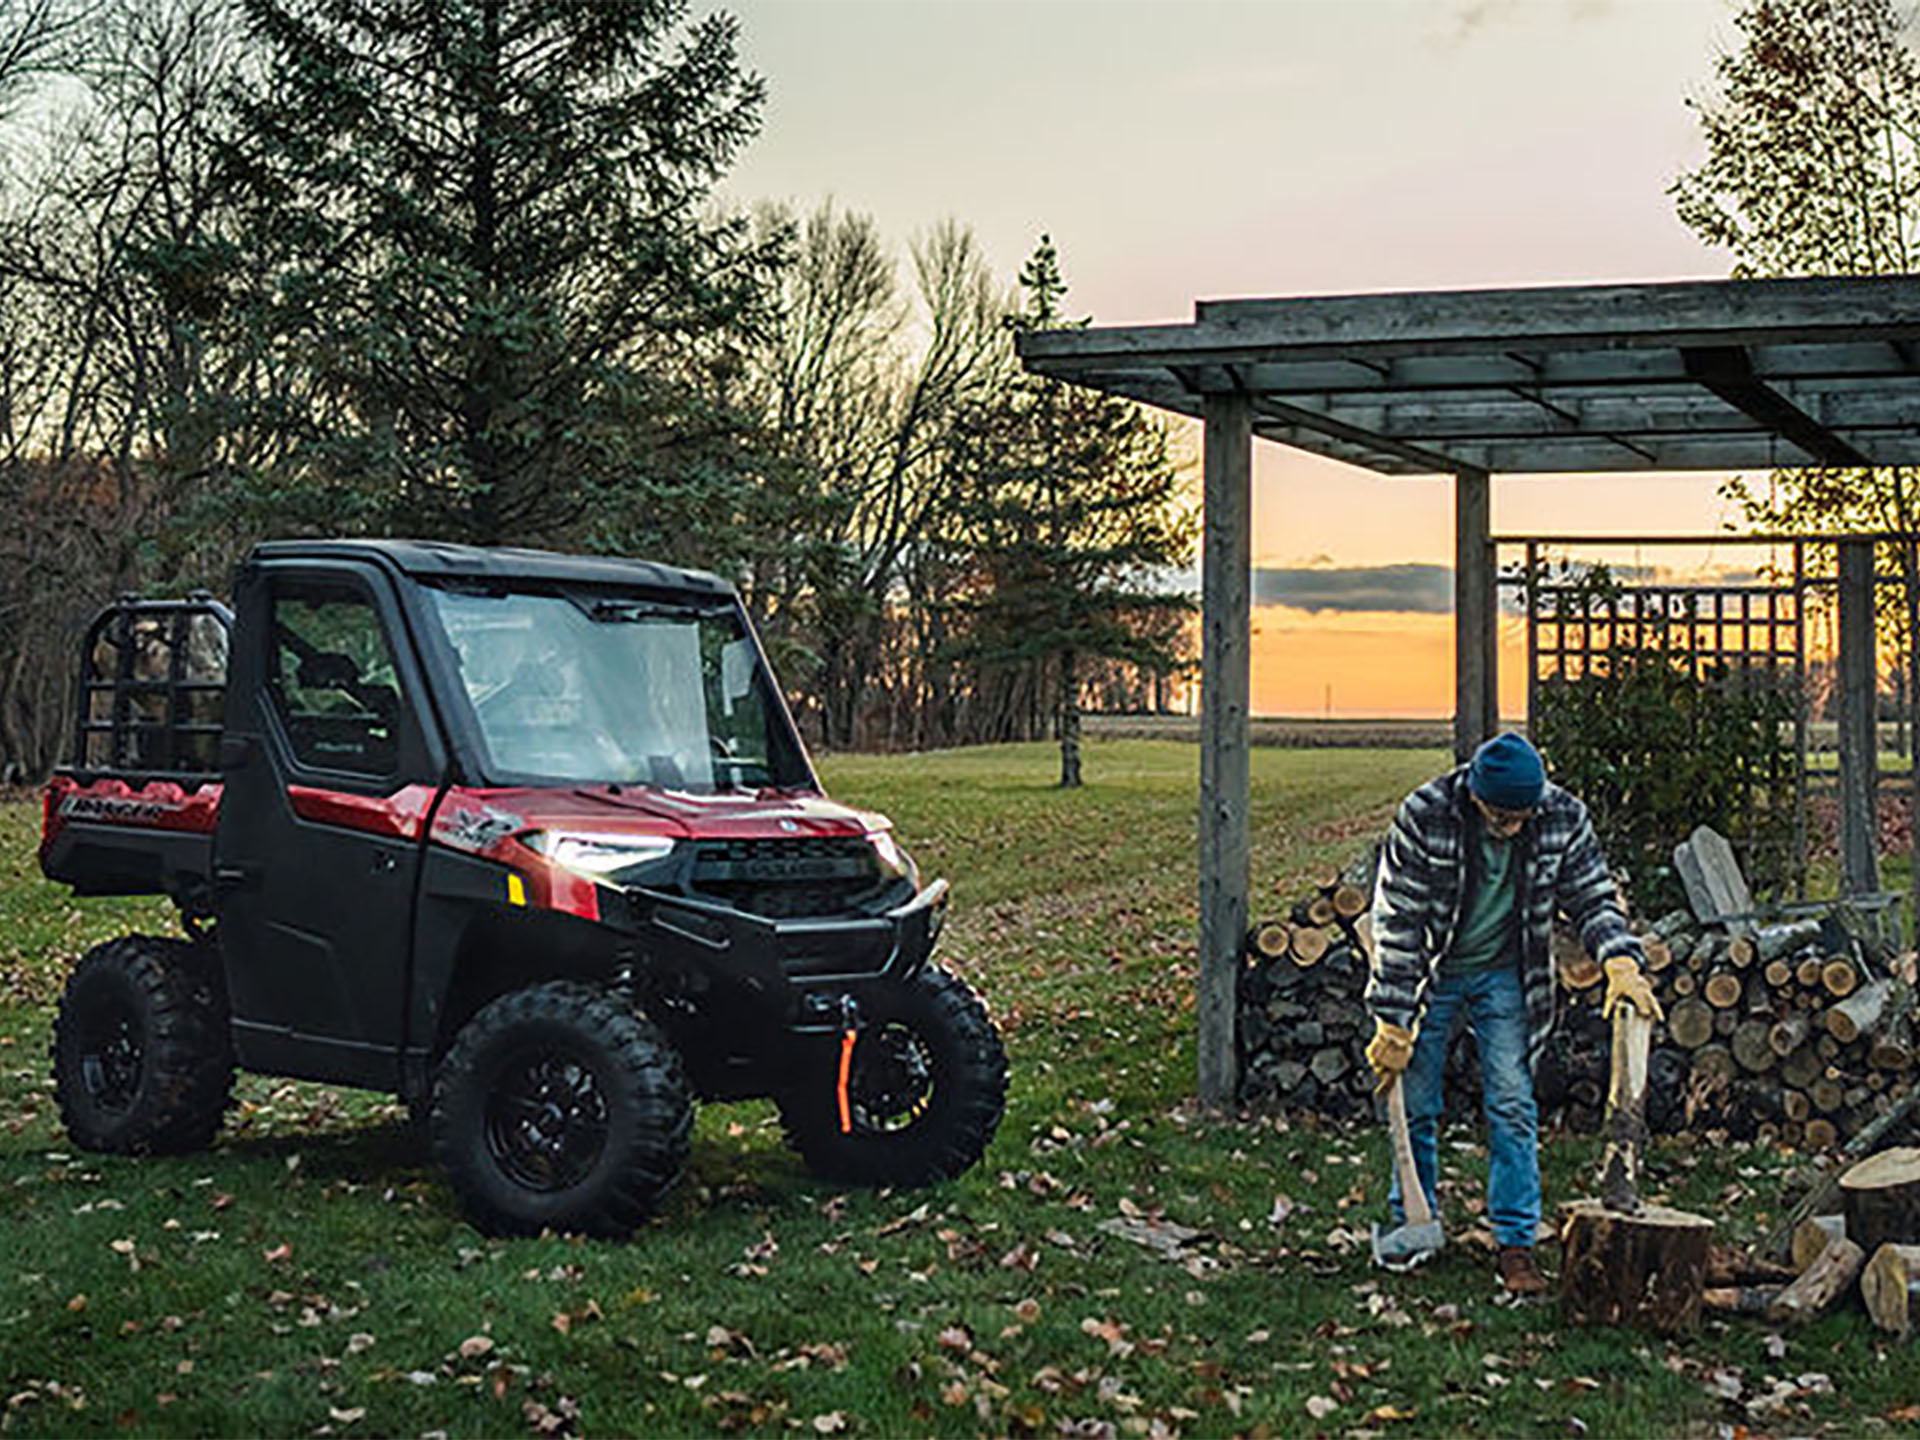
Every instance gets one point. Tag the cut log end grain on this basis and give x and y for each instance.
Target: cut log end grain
(1890, 1286)
(1269, 939)
(1742, 951)
(1812, 1235)
(1659, 954)
(1779, 974)
(1807, 972)
(1752, 1046)
(1819, 1134)
(1320, 911)
(1860, 1013)
(1349, 901)
(1580, 971)
(1685, 983)
(1881, 1198)
(1646, 1270)
(1309, 946)
(1839, 978)
(1722, 989)
(1690, 1023)
(1787, 1036)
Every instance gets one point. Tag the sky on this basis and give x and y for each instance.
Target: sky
(1180, 150)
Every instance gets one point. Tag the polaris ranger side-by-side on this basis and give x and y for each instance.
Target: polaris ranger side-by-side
(528, 840)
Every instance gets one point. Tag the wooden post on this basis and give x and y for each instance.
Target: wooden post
(1476, 707)
(1226, 629)
(1859, 733)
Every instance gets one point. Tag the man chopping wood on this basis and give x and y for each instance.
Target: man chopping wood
(1472, 871)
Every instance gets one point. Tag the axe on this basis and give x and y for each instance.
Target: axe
(1625, 1130)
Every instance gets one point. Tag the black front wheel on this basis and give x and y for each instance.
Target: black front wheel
(141, 1058)
(558, 1108)
(914, 1099)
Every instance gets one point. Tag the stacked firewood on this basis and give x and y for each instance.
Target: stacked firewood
(1799, 1032)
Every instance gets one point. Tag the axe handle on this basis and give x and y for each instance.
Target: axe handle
(1413, 1195)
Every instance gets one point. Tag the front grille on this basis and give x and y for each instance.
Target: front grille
(788, 879)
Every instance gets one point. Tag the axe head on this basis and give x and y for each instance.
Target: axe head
(1401, 1247)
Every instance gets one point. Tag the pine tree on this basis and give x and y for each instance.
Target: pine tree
(487, 226)
(1072, 515)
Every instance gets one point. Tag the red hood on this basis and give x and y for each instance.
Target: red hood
(640, 810)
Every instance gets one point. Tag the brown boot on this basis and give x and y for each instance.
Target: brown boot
(1518, 1272)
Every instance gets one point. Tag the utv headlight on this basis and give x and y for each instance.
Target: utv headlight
(623, 859)
(893, 860)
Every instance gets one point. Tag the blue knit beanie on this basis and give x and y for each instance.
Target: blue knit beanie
(1507, 773)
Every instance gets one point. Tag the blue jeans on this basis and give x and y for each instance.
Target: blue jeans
(1493, 1004)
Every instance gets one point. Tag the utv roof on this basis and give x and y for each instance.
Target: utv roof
(427, 559)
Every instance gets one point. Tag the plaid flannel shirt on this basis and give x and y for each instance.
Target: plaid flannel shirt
(1421, 890)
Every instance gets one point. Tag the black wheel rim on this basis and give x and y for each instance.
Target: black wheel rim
(546, 1120)
(112, 1057)
(890, 1081)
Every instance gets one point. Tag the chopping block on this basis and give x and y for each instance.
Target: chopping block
(1622, 1261)
(1646, 1270)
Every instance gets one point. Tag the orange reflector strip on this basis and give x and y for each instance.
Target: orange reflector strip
(840, 1091)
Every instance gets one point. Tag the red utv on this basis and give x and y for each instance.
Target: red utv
(529, 840)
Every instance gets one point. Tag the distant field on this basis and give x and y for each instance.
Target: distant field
(1305, 733)
(1119, 1265)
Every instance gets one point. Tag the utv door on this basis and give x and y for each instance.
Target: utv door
(328, 774)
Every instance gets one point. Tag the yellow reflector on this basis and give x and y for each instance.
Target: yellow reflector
(516, 890)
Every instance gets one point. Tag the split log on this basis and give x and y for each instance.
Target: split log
(1839, 977)
(1812, 1235)
(1690, 1023)
(1741, 951)
(1890, 1055)
(1860, 1013)
(1722, 989)
(1362, 932)
(1659, 954)
(1779, 974)
(1881, 1198)
(1646, 1270)
(1821, 1283)
(1786, 1036)
(1890, 1286)
(1328, 1064)
(1795, 1105)
(1808, 971)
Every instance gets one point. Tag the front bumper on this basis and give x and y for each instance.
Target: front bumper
(796, 972)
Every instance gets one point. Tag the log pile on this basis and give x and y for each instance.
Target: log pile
(1799, 1033)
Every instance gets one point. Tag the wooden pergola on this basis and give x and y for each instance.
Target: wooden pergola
(1701, 375)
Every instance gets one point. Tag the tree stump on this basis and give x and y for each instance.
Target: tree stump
(1646, 1270)
(1890, 1286)
(1881, 1197)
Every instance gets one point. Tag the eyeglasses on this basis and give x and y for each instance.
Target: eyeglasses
(1501, 818)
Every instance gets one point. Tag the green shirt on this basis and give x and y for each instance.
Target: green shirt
(1487, 930)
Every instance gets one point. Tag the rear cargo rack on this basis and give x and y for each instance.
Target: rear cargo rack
(153, 681)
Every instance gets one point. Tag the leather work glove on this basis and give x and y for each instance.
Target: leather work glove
(1389, 1052)
(1627, 986)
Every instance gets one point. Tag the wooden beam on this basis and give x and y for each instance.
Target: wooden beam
(1859, 735)
(1475, 711)
(1727, 371)
(1226, 643)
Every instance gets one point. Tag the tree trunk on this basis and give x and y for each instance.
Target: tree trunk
(1069, 719)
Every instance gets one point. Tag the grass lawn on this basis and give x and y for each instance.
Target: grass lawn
(310, 1274)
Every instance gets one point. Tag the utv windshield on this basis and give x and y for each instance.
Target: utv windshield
(618, 688)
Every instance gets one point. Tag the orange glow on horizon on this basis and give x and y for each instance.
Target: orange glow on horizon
(1386, 664)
